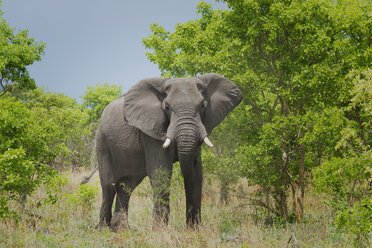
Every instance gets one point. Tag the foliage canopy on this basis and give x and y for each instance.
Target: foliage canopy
(292, 60)
(17, 51)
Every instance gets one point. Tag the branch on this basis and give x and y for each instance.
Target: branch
(299, 107)
(267, 62)
(233, 133)
(258, 203)
(254, 105)
(255, 202)
(290, 177)
(2, 86)
(272, 111)
(294, 239)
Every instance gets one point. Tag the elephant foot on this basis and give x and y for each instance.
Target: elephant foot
(160, 222)
(193, 226)
(159, 225)
(119, 222)
(102, 224)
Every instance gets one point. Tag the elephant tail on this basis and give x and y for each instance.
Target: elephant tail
(93, 161)
(87, 178)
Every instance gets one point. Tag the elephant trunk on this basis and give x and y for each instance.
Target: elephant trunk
(187, 136)
(187, 140)
(187, 130)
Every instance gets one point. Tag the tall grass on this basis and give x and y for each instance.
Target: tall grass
(69, 223)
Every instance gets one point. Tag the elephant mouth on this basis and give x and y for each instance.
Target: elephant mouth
(206, 140)
(188, 131)
(188, 138)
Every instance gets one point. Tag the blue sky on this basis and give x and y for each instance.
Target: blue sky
(94, 41)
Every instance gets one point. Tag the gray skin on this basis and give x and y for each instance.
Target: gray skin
(132, 131)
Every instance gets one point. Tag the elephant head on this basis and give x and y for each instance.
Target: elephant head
(182, 111)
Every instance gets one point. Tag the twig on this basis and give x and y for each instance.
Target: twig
(2, 86)
(294, 239)
(255, 202)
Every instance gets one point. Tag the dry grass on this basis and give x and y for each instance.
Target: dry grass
(66, 224)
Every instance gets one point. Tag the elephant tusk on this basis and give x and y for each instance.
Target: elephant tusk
(167, 143)
(208, 142)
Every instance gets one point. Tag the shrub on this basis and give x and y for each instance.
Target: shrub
(19, 178)
(84, 197)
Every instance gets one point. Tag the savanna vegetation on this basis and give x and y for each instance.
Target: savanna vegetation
(291, 164)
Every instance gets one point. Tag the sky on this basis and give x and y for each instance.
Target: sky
(94, 41)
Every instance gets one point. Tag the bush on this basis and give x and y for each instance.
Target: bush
(19, 178)
(34, 135)
(84, 197)
(357, 221)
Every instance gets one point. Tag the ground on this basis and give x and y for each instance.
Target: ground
(72, 220)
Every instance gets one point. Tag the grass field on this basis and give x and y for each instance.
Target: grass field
(68, 223)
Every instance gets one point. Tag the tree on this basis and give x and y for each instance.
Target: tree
(220, 162)
(290, 59)
(346, 178)
(70, 118)
(17, 51)
(94, 102)
(40, 133)
(96, 99)
(29, 143)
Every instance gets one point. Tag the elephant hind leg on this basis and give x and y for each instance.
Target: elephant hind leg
(106, 179)
(108, 193)
(124, 189)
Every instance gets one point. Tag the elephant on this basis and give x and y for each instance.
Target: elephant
(158, 122)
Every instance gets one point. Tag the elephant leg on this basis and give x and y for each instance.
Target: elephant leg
(159, 164)
(108, 194)
(160, 182)
(193, 190)
(124, 189)
(106, 179)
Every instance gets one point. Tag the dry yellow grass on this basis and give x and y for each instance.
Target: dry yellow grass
(67, 224)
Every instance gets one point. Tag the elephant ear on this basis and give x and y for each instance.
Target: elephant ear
(222, 96)
(142, 107)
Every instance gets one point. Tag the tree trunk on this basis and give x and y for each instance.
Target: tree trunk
(283, 205)
(223, 193)
(267, 193)
(283, 196)
(294, 200)
(301, 181)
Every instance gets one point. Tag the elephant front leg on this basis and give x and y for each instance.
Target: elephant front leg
(193, 178)
(160, 181)
(159, 164)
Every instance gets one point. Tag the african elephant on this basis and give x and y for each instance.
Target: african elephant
(157, 122)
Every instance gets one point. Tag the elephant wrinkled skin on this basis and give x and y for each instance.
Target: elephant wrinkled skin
(157, 122)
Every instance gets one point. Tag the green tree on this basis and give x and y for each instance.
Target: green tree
(220, 162)
(29, 143)
(96, 99)
(70, 119)
(346, 177)
(290, 59)
(39, 133)
(17, 51)
(94, 102)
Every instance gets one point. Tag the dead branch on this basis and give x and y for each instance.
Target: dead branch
(295, 241)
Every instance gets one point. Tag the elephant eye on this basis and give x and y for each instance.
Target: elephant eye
(166, 107)
(203, 105)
